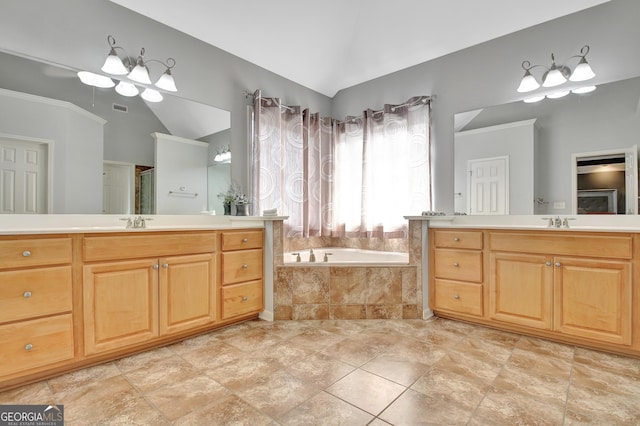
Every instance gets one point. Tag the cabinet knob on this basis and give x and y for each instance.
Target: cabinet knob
(245, 240)
(26, 253)
(245, 298)
(245, 266)
(456, 296)
(558, 264)
(548, 263)
(28, 347)
(27, 294)
(456, 239)
(165, 265)
(456, 264)
(156, 266)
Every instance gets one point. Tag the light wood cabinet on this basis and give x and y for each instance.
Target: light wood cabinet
(242, 291)
(128, 302)
(458, 272)
(36, 323)
(572, 286)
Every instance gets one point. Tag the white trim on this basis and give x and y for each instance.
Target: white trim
(266, 316)
(53, 102)
(156, 136)
(497, 127)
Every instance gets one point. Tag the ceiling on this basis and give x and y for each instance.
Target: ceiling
(336, 43)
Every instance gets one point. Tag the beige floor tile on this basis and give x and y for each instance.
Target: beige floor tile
(478, 367)
(198, 342)
(325, 409)
(496, 336)
(591, 377)
(161, 372)
(609, 362)
(484, 349)
(214, 354)
(414, 408)
(418, 351)
(252, 339)
(552, 390)
(501, 407)
(366, 391)
(242, 373)
(83, 377)
(541, 364)
(319, 369)
(460, 390)
(316, 339)
(143, 359)
(545, 347)
(177, 399)
(277, 393)
(129, 412)
(36, 393)
(396, 368)
(227, 411)
(353, 351)
(620, 410)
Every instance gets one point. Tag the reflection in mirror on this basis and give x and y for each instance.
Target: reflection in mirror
(540, 140)
(99, 156)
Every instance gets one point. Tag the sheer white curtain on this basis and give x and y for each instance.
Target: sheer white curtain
(392, 148)
(355, 178)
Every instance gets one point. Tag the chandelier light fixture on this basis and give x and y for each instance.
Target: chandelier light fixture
(555, 74)
(223, 155)
(135, 70)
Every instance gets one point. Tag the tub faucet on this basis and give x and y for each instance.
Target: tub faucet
(326, 256)
(312, 257)
(297, 255)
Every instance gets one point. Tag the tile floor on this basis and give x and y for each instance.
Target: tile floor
(371, 372)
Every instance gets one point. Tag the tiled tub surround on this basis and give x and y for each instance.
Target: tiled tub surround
(348, 292)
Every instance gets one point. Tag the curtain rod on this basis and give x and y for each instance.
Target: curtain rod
(248, 94)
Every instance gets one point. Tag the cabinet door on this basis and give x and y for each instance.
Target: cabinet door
(187, 292)
(120, 304)
(593, 299)
(521, 289)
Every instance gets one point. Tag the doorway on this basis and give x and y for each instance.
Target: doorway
(488, 186)
(24, 176)
(118, 187)
(605, 182)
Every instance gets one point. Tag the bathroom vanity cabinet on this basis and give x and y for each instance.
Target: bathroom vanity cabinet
(73, 300)
(572, 286)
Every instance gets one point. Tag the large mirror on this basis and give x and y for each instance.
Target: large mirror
(66, 147)
(533, 158)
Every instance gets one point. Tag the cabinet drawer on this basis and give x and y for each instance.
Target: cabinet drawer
(240, 299)
(458, 297)
(563, 243)
(36, 343)
(458, 239)
(241, 240)
(463, 265)
(34, 252)
(241, 266)
(140, 246)
(34, 292)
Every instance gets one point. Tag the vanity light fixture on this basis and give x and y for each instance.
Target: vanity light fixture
(136, 69)
(556, 75)
(223, 155)
(96, 80)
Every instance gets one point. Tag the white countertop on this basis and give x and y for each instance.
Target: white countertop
(593, 223)
(85, 223)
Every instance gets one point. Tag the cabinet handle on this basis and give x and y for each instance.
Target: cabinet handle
(456, 239)
(558, 264)
(245, 240)
(548, 263)
(456, 264)
(456, 296)
(28, 347)
(26, 253)
(27, 294)
(245, 266)
(156, 266)
(165, 265)
(245, 298)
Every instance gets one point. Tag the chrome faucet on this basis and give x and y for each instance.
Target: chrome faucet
(326, 256)
(297, 255)
(312, 257)
(136, 222)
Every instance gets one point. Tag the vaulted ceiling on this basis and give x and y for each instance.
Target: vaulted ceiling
(334, 44)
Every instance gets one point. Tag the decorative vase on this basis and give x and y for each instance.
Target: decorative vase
(241, 209)
(227, 209)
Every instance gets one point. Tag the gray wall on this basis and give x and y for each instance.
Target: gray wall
(73, 32)
(489, 73)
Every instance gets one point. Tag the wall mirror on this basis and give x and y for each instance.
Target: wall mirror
(544, 143)
(46, 106)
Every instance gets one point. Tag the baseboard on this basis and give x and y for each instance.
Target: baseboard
(266, 315)
(426, 314)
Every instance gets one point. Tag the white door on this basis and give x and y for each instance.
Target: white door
(488, 186)
(23, 176)
(117, 188)
(631, 179)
